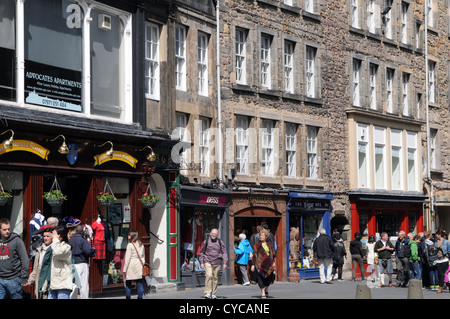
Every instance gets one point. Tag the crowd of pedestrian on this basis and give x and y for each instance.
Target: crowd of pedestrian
(424, 256)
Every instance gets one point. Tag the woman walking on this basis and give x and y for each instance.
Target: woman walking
(372, 258)
(357, 253)
(61, 277)
(442, 260)
(132, 268)
(263, 262)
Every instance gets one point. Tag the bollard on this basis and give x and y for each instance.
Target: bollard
(363, 292)
(415, 289)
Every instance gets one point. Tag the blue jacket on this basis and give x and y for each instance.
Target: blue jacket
(243, 251)
(81, 250)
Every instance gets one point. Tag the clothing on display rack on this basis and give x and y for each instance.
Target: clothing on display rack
(193, 235)
(99, 229)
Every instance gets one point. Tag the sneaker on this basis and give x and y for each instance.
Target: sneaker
(213, 297)
(207, 296)
(246, 283)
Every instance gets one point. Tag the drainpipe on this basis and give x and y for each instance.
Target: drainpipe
(433, 217)
(219, 106)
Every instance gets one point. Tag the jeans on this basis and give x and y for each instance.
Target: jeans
(140, 288)
(415, 270)
(433, 276)
(59, 294)
(11, 288)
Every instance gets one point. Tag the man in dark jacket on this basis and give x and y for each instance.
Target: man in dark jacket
(338, 255)
(357, 253)
(81, 251)
(402, 254)
(323, 251)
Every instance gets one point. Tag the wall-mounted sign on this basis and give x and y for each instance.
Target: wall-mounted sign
(117, 156)
(26, 146)
(51, 86)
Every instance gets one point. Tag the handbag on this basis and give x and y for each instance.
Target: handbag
(145, 266)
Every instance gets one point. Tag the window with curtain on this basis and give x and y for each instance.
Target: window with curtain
(202, 64)
(204, 145)
(241, 71)
(267, 163)
(396, 160)
(288, 66)
(380, 157)
(180, 57)
(242, 145)
(363, 156)
(265, 61)
(312, 152)
(291, 150)
(411, 140)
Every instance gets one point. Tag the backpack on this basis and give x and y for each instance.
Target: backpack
(404, 249)
(430, 254)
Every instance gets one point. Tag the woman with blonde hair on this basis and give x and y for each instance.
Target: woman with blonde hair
(132, 268)
(263, 262)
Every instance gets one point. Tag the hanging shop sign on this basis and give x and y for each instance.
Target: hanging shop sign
(117, 156)
(26, 146)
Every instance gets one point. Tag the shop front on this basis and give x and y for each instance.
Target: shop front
(307, 213)
(250, 209)
(372, 214)
(36, 163)
(200, 210)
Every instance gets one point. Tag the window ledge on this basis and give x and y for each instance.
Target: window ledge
(357, 31)
(312, 16)
(291, 96)
(312, 100)
(291, 9)
(243, 88)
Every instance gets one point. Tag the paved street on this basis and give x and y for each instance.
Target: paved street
(305, 289)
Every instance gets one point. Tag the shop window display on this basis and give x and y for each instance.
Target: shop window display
(196, 227)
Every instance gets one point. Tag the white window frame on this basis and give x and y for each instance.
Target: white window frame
(388, 22)
(433, 143)
(289, 66)
(204, 146)
(152, 62)
(390, 90)
(240, 56)
(404, 22)
(181, 132)
(311, 53)
(288, 2)
(412, 158)
(203, 87)
(265, 56)
(355, 14)
(312, 140)
(371, 25)
(429, 7)
(309, 6)
(242, 145)
(291, 150)
(397, 148)
(380, 150)
(267, 147)
(356, 82)
(373, 94)
(405, 94)
(180, 57)
(431, 81)
(362, 140)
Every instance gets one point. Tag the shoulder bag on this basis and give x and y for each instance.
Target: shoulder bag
(145, 266)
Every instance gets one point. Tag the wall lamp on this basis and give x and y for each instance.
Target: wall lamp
(63, 149)
(151, 157)
(9, 143)
(109, 153)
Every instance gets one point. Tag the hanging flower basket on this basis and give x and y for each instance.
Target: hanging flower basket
(149, 199)
(106, 198)
(55, 197)
(4, 195)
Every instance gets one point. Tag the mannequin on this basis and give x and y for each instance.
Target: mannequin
(99, 238)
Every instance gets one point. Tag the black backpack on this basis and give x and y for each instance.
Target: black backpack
(430, 254)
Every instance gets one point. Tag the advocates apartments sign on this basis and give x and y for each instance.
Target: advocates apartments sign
(52, 86)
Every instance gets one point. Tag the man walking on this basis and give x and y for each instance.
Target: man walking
(14, 263)
(213, 255)
(81, 251)
(323, 251)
